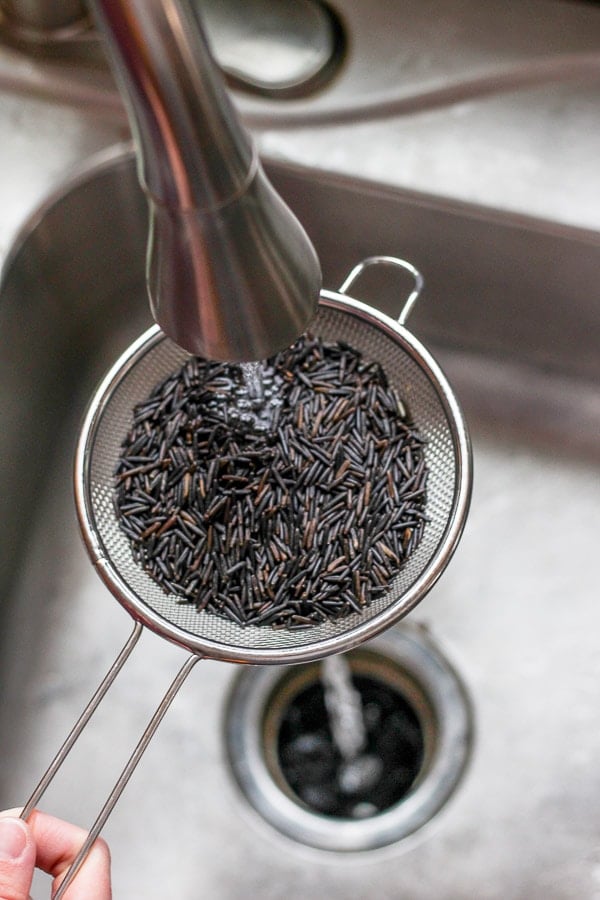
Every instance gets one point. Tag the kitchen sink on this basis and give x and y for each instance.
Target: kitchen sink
(516, 613)
(462, 137)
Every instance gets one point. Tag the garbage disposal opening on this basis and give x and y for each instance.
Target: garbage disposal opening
(292, 769)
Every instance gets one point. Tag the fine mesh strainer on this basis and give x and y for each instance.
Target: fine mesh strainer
(436, 415)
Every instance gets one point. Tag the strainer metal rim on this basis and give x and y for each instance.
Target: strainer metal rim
(307, 652)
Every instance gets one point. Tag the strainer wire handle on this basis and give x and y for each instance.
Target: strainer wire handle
(127, 772)
(81, 722)
(391, 261)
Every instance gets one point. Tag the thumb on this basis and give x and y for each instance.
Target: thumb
(17, 859)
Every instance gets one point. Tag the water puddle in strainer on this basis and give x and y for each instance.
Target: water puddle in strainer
(255, 401)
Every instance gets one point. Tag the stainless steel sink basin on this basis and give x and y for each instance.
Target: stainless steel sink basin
(516, 612)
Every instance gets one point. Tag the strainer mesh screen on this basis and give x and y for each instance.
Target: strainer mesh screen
(426, 408)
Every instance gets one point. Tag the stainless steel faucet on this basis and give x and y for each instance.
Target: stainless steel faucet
(231, 273)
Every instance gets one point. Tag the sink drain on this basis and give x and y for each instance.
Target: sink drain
(417, 723)
(314, 769)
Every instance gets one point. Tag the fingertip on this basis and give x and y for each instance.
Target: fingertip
(17, 858)
(14, 838)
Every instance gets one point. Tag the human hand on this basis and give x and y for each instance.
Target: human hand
(51, 845)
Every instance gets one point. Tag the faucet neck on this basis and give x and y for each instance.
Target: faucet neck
(193, 155)
(231, 273)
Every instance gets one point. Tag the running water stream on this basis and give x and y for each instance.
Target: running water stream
(253, 377)
(359, 769)
(344, 707)
(256, 400)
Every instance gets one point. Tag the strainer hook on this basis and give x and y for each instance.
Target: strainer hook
(392, 261)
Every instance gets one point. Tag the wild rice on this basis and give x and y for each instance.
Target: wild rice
(286, 511)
